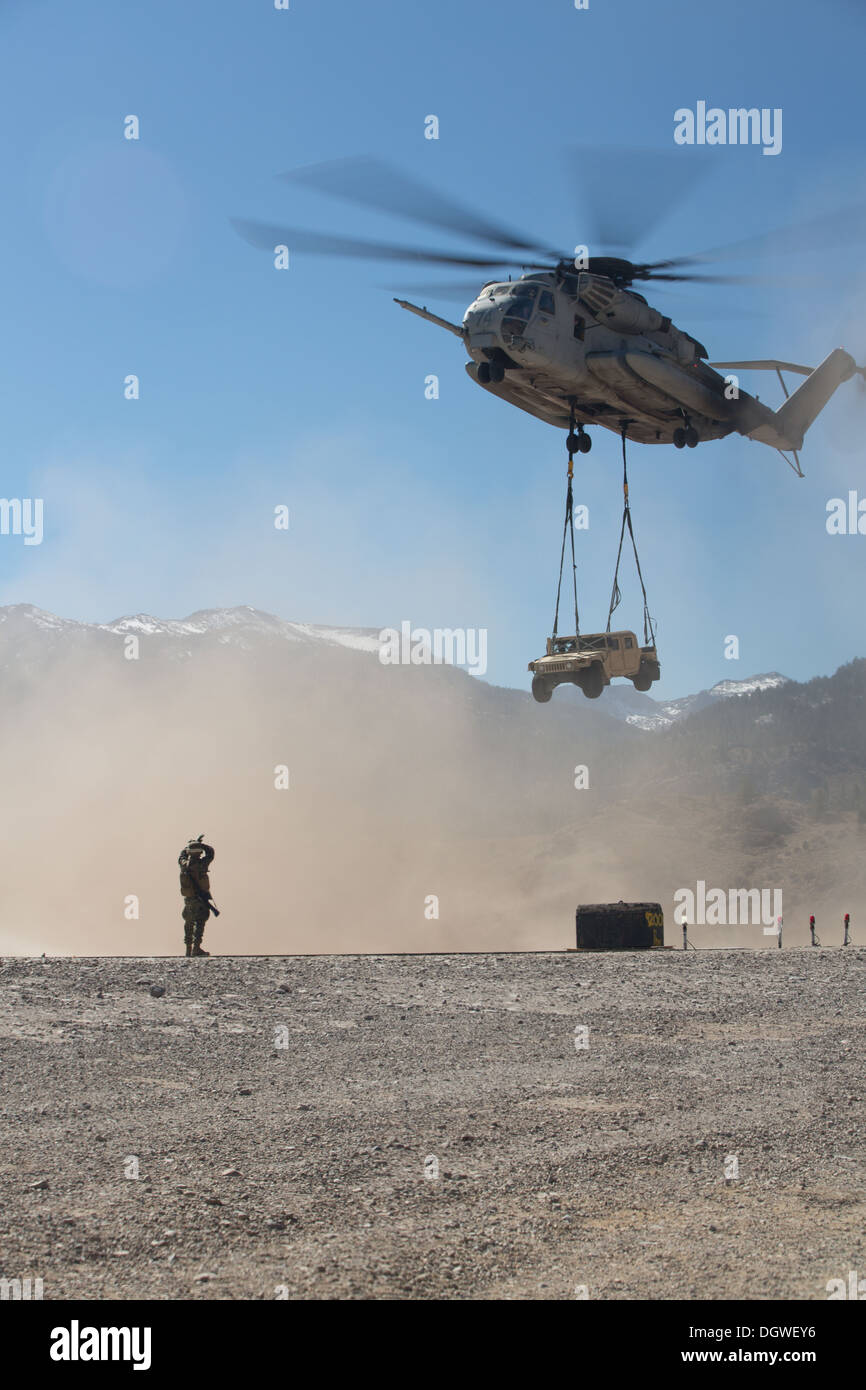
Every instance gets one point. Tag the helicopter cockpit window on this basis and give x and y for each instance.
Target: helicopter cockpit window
(519, 311)
(546, 302)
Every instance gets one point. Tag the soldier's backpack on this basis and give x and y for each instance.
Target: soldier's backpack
(193, 869)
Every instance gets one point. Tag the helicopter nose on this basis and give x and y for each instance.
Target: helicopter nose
(482, 323)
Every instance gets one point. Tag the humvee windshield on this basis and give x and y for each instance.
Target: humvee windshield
(566, 646)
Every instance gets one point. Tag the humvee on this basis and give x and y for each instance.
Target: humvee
(591, 661)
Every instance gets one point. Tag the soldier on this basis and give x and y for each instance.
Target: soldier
(195, 860)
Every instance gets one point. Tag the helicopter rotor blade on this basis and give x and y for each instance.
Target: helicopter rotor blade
(265, 236)
(626, 191)
(651, 273)
(463, 291)
(807, 238)
(709, 309)
(375, 184)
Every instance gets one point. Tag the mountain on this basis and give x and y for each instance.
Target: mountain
(425, 809)
(244, 627)
(643, 712)
(240, 626)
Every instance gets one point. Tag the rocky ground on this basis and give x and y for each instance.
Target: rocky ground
(433, 1127)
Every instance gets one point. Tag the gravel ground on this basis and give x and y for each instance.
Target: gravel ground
(288, 1116)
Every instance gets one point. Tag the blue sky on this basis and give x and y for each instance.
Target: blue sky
(306, 388)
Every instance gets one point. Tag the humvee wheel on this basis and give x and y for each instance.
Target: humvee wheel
(541, 690)
(647, 673)
(592, 682)
(483, 373)
(679, 438)
(497, 372)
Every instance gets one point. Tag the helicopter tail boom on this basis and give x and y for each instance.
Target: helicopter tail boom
(798, 412)
(786, 427)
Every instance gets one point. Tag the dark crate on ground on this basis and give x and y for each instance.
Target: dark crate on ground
(620, 927)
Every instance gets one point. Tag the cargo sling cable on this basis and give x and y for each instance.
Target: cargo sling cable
(649, 636)
(568, 530)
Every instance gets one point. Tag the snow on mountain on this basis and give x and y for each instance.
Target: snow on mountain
(357, 638)
(668, 712)
(243, 626)
(650, 722)
(226, 624)
(38, 617)
(232, 624)
(750, 685)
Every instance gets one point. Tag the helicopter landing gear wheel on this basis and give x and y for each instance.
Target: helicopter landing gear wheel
(691, 437)
(483, 373)
(679, 438)
(497, 373)
(579, 443)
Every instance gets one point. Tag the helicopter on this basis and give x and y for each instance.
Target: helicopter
(571, 341)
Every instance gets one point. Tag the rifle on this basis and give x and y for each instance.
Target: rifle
(208, 900)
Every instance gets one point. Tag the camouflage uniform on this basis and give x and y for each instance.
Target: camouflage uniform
(194, 861)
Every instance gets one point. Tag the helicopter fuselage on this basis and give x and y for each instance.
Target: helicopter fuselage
(550, 345)
(582, 349)
(571, 342)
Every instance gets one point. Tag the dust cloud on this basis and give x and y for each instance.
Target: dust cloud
(413, 791)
